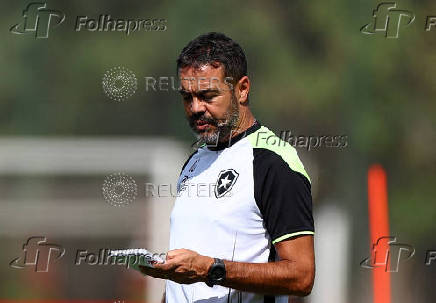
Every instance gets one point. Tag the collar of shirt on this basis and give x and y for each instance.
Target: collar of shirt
(222, 145)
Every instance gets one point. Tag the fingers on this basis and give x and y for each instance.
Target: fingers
(160, 270)
(174, 257)
(178, 267)
(175, 252)
(167, 266)
(171, 254)
(153, 272)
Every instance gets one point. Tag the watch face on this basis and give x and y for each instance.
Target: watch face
(218, 273)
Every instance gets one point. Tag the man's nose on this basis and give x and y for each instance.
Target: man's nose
(197, 105)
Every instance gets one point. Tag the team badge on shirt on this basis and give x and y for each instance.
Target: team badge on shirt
(226, 179)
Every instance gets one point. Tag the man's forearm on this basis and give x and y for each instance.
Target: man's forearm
(281, 277)
(292, 275)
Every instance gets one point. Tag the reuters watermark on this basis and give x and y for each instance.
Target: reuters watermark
(119, 189)
(200, 190)
(165, 83)
(120, 83)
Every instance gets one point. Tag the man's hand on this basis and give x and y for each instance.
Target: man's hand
(182, 266)
(293, 274)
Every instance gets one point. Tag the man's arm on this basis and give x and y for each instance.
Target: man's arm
(292, 275)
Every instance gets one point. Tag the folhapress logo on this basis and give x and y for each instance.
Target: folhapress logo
(38, 19)
(38, 253)
(388, 20)
(388, 254)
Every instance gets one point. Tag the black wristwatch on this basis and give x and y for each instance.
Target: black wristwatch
(217, 273)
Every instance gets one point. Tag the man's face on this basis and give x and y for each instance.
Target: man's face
(211, 106)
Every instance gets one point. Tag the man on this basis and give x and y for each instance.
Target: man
(249, 236)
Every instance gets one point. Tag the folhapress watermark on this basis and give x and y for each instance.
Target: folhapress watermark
(388, 20)
(38, 19)
(105, 23)
(309, 142)
(288, 139)
(37, 253)
(103, 257)
(387, 254)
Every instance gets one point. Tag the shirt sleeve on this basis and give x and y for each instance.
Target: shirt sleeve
(283, 197)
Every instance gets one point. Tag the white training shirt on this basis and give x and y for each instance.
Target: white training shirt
(234, 201)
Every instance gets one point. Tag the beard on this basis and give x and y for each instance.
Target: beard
(223, 127)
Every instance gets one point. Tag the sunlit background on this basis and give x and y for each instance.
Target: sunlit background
(313, 73)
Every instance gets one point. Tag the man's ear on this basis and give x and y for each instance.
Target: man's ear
(243, 88)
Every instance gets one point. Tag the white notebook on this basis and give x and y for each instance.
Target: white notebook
(139, 256)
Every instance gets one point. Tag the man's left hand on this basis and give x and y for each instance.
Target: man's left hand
(183, 266)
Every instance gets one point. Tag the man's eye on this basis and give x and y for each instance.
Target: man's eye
(207, 98)
(186, 97)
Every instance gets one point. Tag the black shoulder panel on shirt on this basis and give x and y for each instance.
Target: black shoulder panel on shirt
(282, 195)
